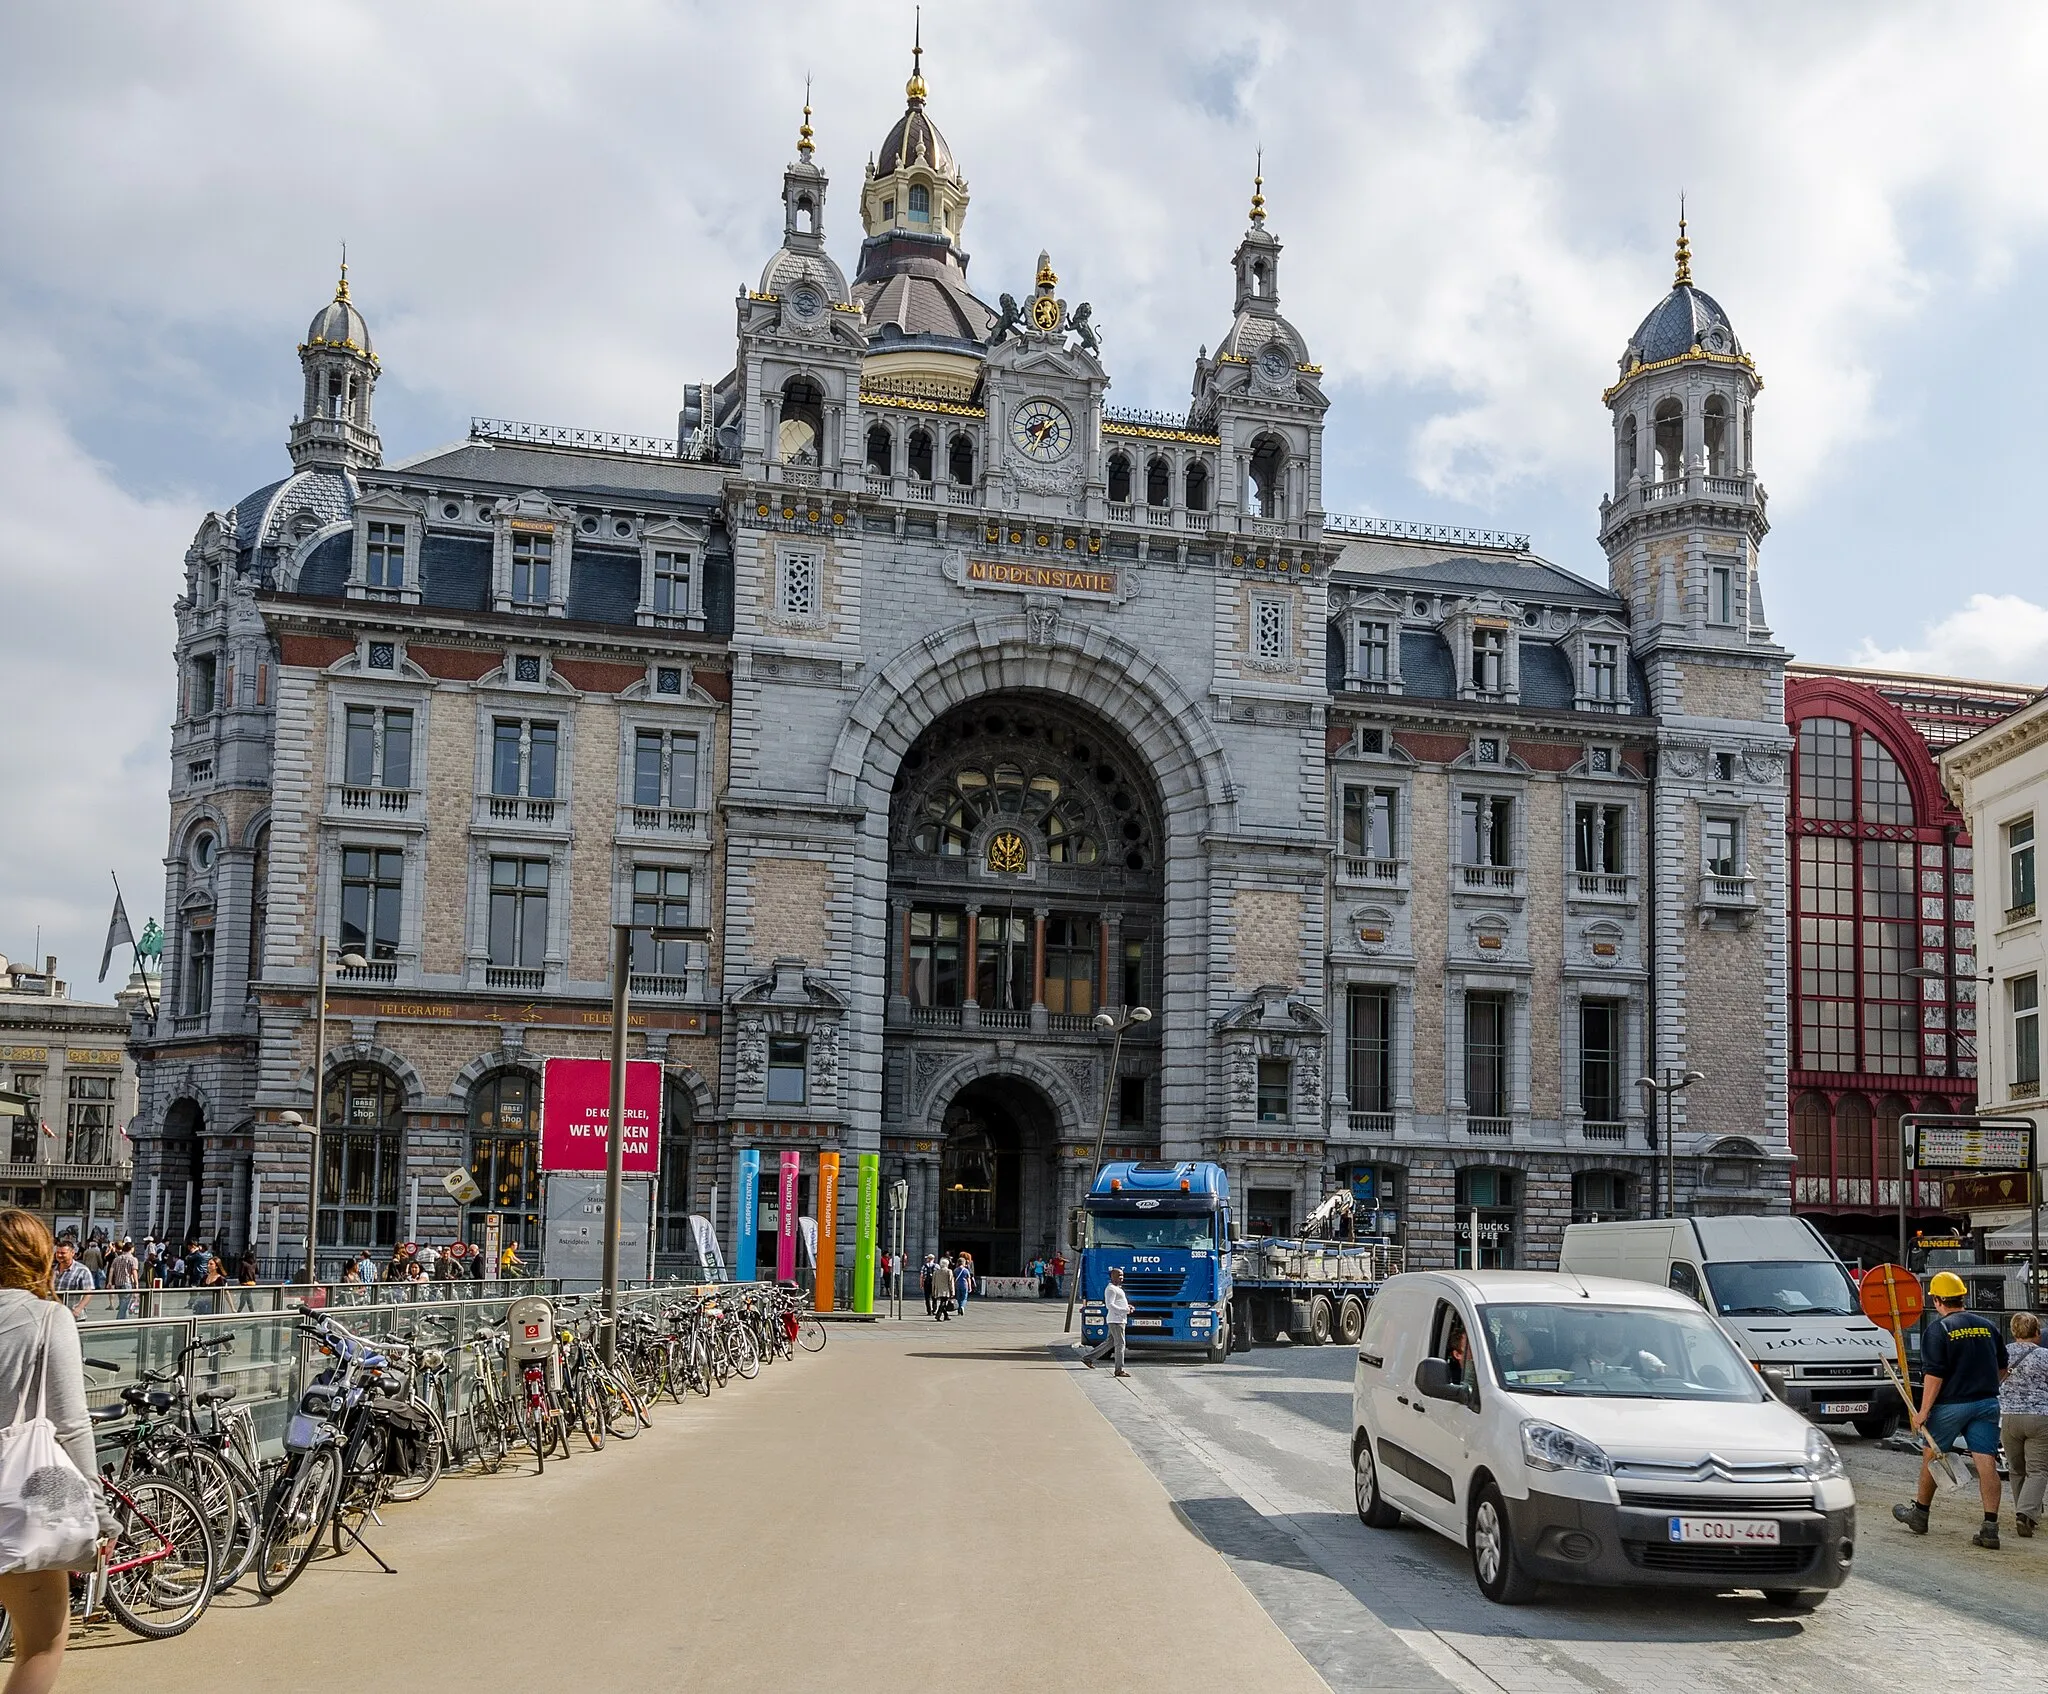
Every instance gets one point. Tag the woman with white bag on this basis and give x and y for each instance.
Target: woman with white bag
(52, 1512)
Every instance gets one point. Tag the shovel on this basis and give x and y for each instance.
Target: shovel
(1941, 1461)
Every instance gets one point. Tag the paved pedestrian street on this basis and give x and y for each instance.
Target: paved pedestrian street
(963, 1507)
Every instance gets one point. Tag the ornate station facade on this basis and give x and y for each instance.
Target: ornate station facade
(961, 707)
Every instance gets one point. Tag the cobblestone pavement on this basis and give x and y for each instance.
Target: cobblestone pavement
(1255, 1455)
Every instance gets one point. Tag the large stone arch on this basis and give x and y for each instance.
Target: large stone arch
(991, 1066)
(1163, 723)
(365, 1053)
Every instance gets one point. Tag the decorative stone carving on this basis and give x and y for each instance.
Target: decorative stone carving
(1042, 622)
(1765, 768)
(751, 1056)
(1244, 1079)
(825, 1059)
(1686, 762)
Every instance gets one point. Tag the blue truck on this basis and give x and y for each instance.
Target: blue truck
(1168, 1227)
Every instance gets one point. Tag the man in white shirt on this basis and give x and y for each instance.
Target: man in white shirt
(1116, 1312)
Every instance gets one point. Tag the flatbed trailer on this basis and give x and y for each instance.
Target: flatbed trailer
(1311, 1292)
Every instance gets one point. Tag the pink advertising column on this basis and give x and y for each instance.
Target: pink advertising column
(786, 1227)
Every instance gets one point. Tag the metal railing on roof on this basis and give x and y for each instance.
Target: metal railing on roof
(698, 444)
(1449, 535)
(1141, 417)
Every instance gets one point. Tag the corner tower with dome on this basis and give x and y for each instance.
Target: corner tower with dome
(961, 708)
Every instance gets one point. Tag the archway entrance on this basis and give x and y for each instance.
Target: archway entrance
(998, 1189)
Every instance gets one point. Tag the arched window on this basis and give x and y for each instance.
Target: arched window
(1158, 484)
(1198, 487)
(803, 421)
(1827, 769)
(960, 462)
(1626, 460)
(918, 456)
(1812, 1154)
(1852, 1151)
(1669, 423)
(1716, 421)
(1886, 797)
(362, 1158)
(920, 204)
(504, 1156)
(1262, 281)
(1269, 472)
(1119, 480)
(880, 450)
(807, 214)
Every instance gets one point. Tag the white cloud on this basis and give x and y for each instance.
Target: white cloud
(1993, 637)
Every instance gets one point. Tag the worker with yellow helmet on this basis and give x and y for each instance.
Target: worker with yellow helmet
(1962, 1361)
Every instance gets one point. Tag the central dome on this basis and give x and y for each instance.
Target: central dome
(915, 141)
(1685, 318)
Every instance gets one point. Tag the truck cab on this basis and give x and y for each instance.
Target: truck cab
(1166, 1226)
(1776, 1287)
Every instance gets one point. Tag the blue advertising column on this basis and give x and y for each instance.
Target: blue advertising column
(746, 1199)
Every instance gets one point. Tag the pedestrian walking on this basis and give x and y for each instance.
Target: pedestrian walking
(2023, 1420)
(1962, 1362)
(72, 1281)
(124, 1276)
(963, 1280)
(1116, 1313)
(924, 1276)
(41, 1371)
(942, 1288)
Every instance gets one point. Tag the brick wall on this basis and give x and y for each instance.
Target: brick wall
(789, 910)
(1266, 935)
(1429, 800)
(451, 801)
(1723, 691)
(1546, 947)
(596, 813)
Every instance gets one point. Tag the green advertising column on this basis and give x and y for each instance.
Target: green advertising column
(867, 1204)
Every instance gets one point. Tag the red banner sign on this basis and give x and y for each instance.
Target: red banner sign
(576, 1115)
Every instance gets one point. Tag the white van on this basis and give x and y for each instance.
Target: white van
(1777, 1288)
(1576, 1429)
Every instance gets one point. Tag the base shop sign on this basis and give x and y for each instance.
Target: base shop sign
(576, 1115)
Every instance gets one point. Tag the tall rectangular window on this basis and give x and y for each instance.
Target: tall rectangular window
(661, 896)
(1276, 1077)
(541, 745)
(1375, 651)
(671, 585)
(26, 1148)
(796, 585)
(1134, 970)
(1489, 829)
(1721, 846)
(1370, 1056)
(938, 957)
(1269, 630)
(1371, 822)
(528, 750)
(1600, 1060)
(384, 556)
(89, 1120)
(533, 567)
(202, 686)
(377, 748)
(665, 769)
(1130, 1102)
(2019, 861)
(1070, 965)
(788, 1082)
(1603, 671)
(519, 913)
(372, 899)
(1720, 595)
(1489, 660)
(1002, 961)
(1486, 1055)
(2026, 1032)
(1600, 838)
(198, 971)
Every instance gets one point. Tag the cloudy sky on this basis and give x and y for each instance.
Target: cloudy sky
(548, 208)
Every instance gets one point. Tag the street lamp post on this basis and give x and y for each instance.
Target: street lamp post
(1674, 1082)
(353, 961)
(615, 1140)
(1109, 1022)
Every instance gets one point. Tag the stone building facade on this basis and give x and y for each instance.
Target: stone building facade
(1015, 708)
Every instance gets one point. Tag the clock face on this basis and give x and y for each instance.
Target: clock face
(1045, 312)
(1274, 363)
(1042, 431)
(806, 303)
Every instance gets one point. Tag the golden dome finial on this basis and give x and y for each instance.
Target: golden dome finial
(914, 89)
(1684, 253)
(803, 134)
(341, 287)
(1259, 189)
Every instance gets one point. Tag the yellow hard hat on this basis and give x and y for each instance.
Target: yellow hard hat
(1946, 1285)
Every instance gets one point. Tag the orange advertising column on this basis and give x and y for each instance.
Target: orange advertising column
(828, 1229)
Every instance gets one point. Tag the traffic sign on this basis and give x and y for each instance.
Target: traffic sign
(1891, 1296)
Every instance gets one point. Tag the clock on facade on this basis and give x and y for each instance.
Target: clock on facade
(806, 303)
(1042, 431)
(1274, 363)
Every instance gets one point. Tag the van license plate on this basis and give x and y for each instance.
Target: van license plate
(1844, 1408)
(1148, 1323)
(1737, 1532)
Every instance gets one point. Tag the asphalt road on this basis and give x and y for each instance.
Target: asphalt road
(1255, 1455)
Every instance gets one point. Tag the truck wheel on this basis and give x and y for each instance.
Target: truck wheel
(1219, 1345)
(1241, 1327)
(1877, 1428)
(1321, 1320)
(1350, 1320)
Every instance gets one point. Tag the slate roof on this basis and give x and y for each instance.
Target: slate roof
(455, 572)
(561, 472)
(1518, 576)
(604, 584)
(325, 572)
(1678, 323)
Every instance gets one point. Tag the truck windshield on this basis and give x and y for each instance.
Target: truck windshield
(1782, 1288)
(1154, 1229)
(1615, 1353)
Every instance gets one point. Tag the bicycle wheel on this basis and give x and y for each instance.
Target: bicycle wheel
(161, 1572)
(746, 1357)
(230, 1510)
(699, 1364)
(588, 1400)
(529, 1425)
(810, 1334)
(488, 1442)
(621, 1406)
(301, 1501)
(428, 1455)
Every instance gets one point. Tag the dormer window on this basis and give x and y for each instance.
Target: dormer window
(1489, 660)
(1375, 654)
(384, 556)
(920, 204)
(1603, 672)
(672, 583)
(533, 555)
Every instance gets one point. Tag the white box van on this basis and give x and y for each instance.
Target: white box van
(1776, 1287)
(1571, 1429)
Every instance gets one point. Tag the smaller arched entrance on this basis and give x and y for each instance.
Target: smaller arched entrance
(998, 1181)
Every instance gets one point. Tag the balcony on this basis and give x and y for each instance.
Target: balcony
(1123, 513)
(388, 802)
(514, 977)
(1490, 879)
(921, 490)
(1603, 885)
(1070, 1023)
(1379, 1125)
(881, 487)
(1489, 1129)
(376, 970)
(514, 808)
(1734, 896)
(664, 821)
(651, 986)
(1005, 1020)
(1386, 873)
(935, 1017)
(1595, 1130)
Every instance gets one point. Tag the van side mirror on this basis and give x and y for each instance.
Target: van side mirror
(1774, 1379)
(1433, 1380)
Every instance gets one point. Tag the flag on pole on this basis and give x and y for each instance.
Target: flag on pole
(118, 934)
